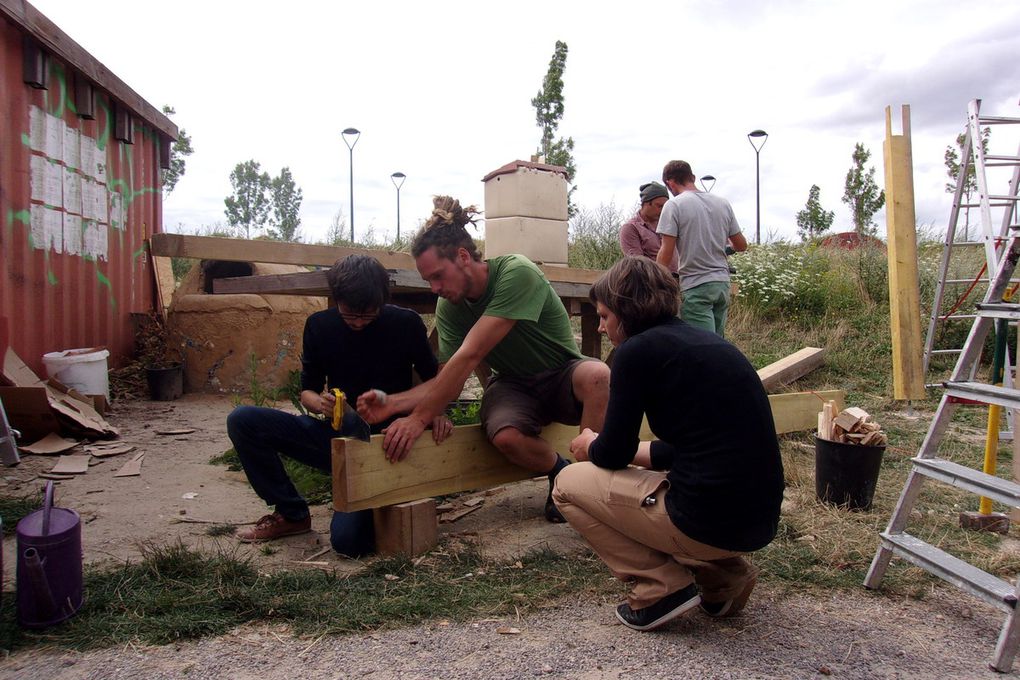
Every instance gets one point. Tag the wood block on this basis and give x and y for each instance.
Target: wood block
(995, 522)
(796, 411)
(792, 367)
(406, 528)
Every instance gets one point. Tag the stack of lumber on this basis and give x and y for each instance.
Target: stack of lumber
(851, 426)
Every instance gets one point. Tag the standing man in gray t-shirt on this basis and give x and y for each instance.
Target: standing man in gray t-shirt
(703, 230)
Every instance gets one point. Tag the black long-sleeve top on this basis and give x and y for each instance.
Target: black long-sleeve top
(716, 436)
(379, 356)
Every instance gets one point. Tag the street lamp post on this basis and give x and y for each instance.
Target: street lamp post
(356, 134)
(398, 181)
(707, 178)
(751, 137)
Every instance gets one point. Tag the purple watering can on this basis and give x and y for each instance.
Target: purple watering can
(49, 569)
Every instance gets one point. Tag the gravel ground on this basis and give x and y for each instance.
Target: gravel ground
(853, 635)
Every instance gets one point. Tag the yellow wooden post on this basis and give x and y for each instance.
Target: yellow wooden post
(904, 291)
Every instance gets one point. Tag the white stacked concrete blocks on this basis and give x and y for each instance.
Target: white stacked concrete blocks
(526, 212)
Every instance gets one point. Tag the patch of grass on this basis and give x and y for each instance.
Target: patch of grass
(315, 485)
(13, 508)
(177, 593)
(221, 530)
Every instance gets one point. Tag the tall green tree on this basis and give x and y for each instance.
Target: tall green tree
(861, 192)
(178, 151)
(287, 199)
(952, 158)
(248, 207)
(813, 220)
(549, 109)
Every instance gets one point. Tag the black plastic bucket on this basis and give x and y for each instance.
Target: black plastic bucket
(846, 474)
(166, 384)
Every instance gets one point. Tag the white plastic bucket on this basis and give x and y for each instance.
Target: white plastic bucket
(83, 369)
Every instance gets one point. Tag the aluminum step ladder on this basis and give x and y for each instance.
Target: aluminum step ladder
(997, 212)
(895, 541)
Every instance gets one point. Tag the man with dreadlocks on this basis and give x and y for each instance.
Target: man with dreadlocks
(504, 312)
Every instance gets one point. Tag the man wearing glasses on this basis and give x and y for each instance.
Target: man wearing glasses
(360, 344)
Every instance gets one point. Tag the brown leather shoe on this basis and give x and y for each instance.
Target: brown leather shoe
(731, 606)
(274, 526)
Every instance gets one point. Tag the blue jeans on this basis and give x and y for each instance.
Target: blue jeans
(260, 435)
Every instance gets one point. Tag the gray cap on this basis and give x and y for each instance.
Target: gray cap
(652, 191)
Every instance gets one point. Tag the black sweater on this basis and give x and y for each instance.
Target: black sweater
(379, 356)
(717, 439)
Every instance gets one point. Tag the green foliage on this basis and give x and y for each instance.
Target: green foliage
(287, 199)
(595, 237)
(464, 412)
(549, 110)
(258, 394)
(248, 207)
(181, 266)
(861, 193)
(952, 160)
(178, 150)
(813, 220)
(292, 390)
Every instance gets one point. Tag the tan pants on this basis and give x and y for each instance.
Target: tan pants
(639, 542)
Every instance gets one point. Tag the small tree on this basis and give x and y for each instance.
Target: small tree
(813, 220)
(952, 159)
(549, 109)
(249, 205)
(862, 193)
(178, 150)
(287, 199)
(595, 237)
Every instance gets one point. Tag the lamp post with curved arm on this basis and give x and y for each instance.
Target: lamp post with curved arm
(763, 137)
(356, 134)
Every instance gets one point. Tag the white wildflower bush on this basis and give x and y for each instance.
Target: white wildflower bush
(792, 280)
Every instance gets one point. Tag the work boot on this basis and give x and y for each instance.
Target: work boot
(270, 527)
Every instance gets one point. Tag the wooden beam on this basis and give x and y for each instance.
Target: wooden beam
(242, 250)
(904, 291)
(362, 478)
(792, 367)
(162, 267)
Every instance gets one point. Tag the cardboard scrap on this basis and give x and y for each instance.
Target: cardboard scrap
(50, 444)
(180, 430)
(105, 451)
(37, 413)
(71, 465)
(59, 478)
(131, 468)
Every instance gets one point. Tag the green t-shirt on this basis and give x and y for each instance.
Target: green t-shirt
(541, 340)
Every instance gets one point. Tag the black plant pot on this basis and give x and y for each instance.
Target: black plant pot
(165, 384)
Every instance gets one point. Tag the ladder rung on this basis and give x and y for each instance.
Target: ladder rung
(990, 588)
(976, 481)
(999, 310)
(993, 205)
(946, 351)
(957, 317)
(997, 120)
(987, 394)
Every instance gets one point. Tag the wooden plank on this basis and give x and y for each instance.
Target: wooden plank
(904, 293)
(243, 250)
(796, 411)
(591, 341)
(792, 367)
(406, 528)
(162, 267)
(362, 478)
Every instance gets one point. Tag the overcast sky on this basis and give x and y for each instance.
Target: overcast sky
(441, 91)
